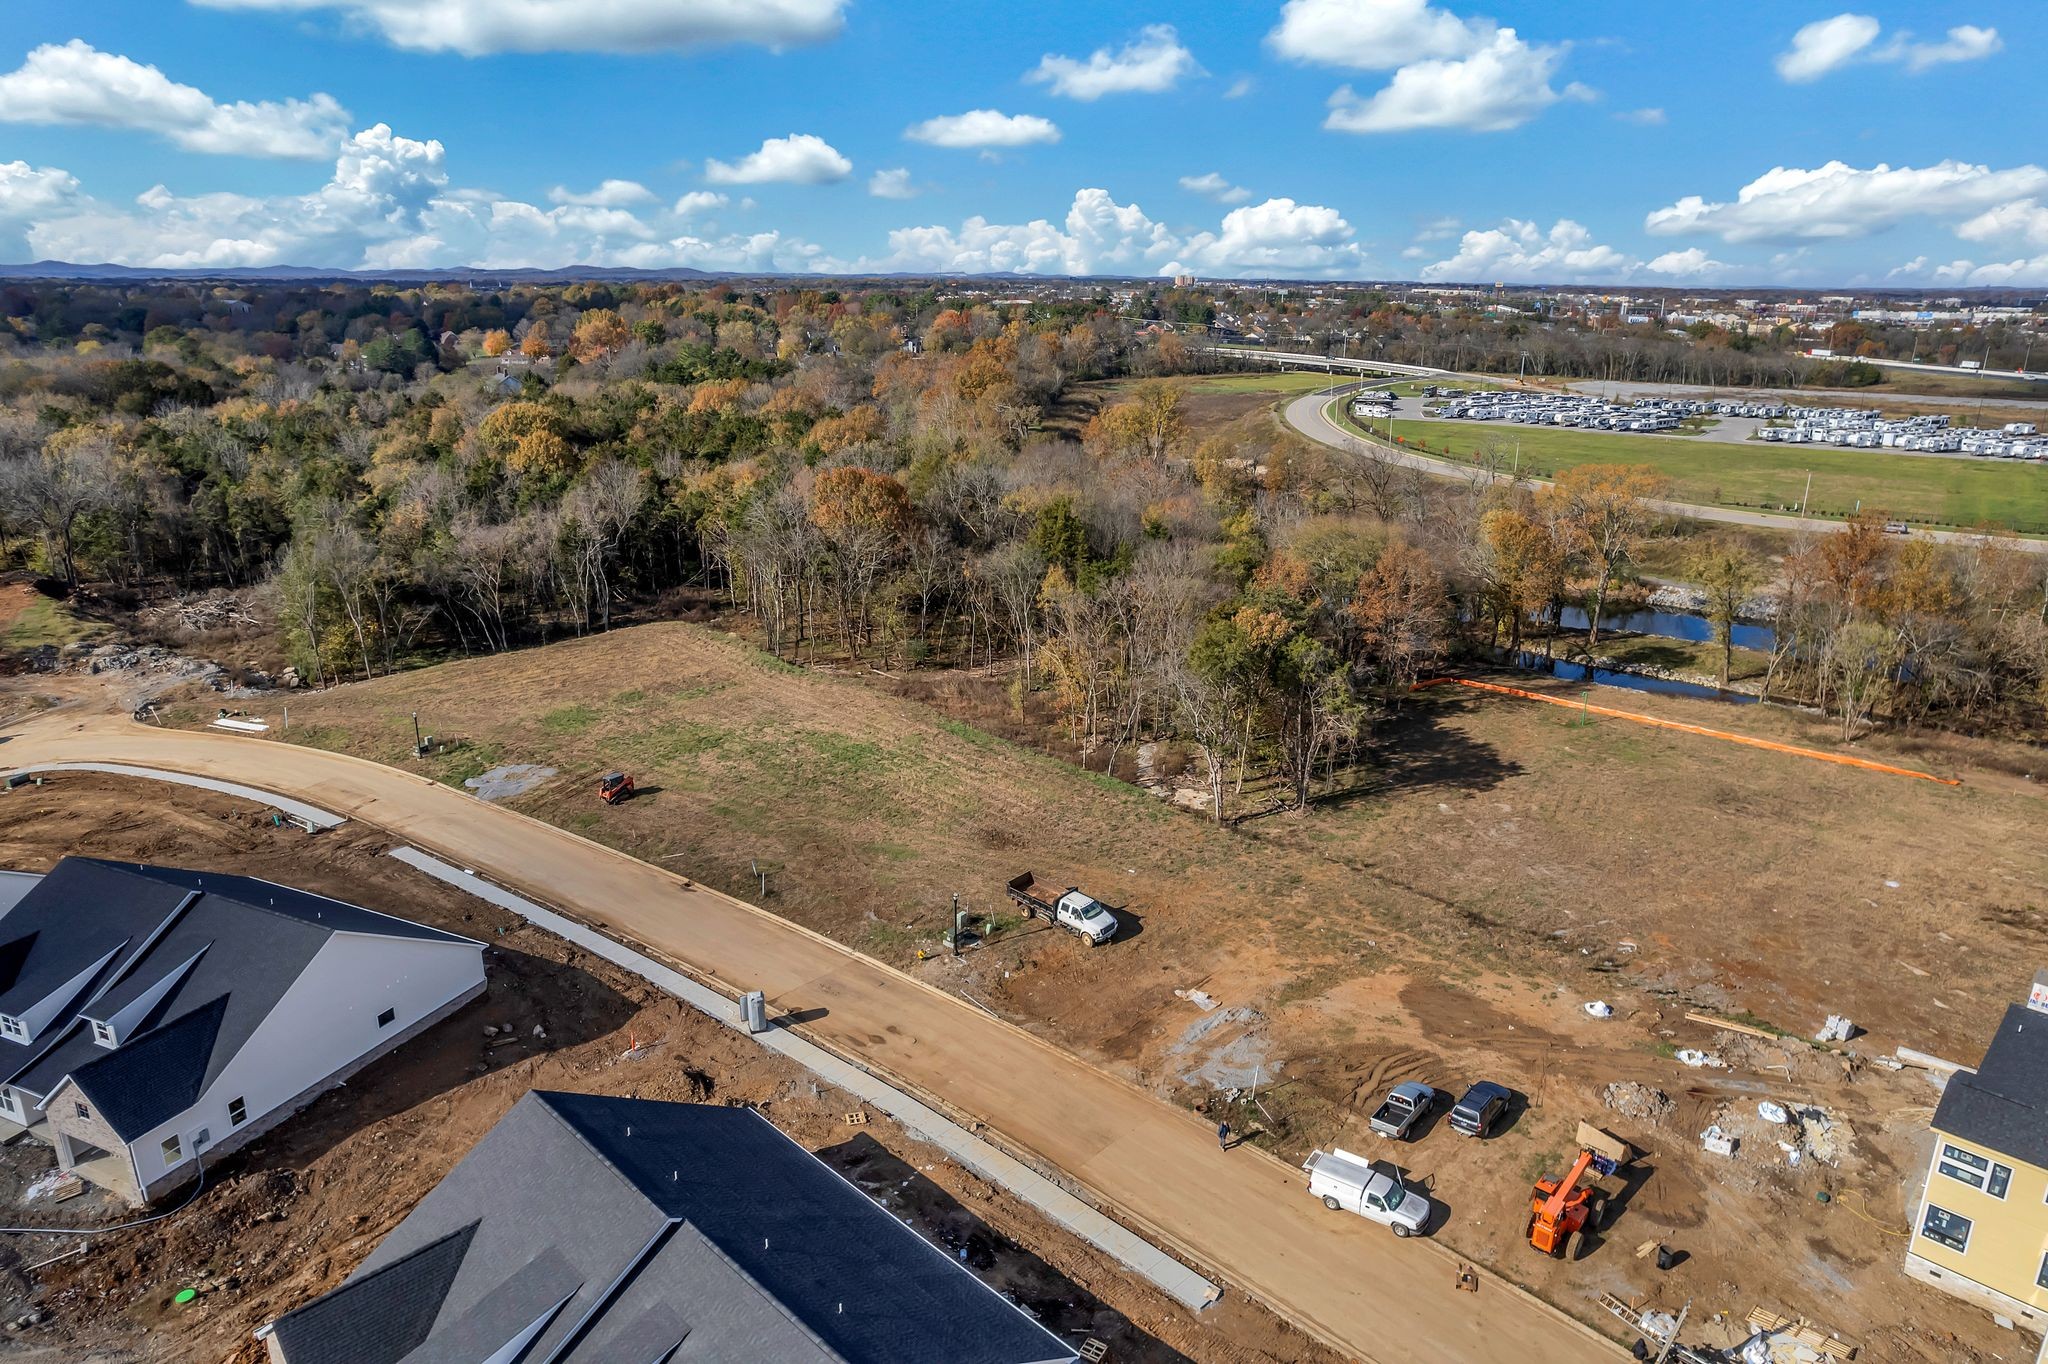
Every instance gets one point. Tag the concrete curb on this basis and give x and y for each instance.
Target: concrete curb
(316, 817)
(1134, 1253)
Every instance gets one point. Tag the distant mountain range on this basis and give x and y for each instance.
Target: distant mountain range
(569, 274)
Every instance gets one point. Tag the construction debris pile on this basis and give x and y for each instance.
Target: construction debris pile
(1639, 1101)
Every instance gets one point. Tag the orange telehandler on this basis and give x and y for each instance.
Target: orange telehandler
(1560, 1209)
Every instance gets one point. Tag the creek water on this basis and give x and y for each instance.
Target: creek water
(1672, 625)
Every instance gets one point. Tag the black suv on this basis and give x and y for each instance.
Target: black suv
(1484, 1105)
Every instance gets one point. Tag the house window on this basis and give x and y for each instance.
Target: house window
(102, 1034)
(172, 1152)
(10, 1026)
(82, 1111)
(10, 1105)
(384, 1019)
(238, 1112)
(2042, 1277)
(1979, 1172)
(1945, 1228)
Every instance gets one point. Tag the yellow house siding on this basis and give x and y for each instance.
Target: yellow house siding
(2007, 1237)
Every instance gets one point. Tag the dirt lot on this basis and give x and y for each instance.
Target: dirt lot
(1505, 864)
(291, 1215)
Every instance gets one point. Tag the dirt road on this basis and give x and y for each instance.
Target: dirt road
(1239, 1214)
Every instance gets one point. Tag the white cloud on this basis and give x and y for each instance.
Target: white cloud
(1992, 274)
(1100, 236)
(892, 184)
(1840, 201)
(1240, 87)
(699, 202)
(1689, 263)
(1152, 62)
(1213, 186)
(1965, 43)
(477, 27)
(2023, 220)
(610, 194)
(1374, 35)
(1277, 237)
(1520, 251)
(388, 205)
(984, 128)
(799, 159)
(76, 83)
(1500, 86)
(1643, 118)
(1828, 45)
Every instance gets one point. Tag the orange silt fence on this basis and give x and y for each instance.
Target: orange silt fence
(1747, 741)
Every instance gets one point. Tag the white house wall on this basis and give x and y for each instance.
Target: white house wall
(324, 1023)
(14, 885)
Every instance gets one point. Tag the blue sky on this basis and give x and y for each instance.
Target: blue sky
(1731, 143)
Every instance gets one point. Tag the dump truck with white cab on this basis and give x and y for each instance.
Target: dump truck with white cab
(1070, 909)
(1349, 1183)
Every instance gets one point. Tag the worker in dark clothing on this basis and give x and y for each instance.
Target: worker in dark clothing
(1223, 1136)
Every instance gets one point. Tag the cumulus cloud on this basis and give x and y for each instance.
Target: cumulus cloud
(984, 128)
(2022, 220)
(1839, 201)
(1150, 63)
(1687, 264)
(1992, 274)
(476, 28)
(1828, 45)
(799, 159)
(1500, 86)
(610, 194)
(388, 204)
(1277, 237)
(892, 184)
(1213, 186)
(1964, 43)
(1373, 35)
(76, 83)
(699, 202)
(1100, 236)
(1520, 251)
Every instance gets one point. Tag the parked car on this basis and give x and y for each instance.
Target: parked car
(1403, 1108)
(1348, 1183)
(1483, 1106)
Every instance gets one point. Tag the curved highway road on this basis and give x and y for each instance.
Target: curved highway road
(1241, 1215)
(1307, 415)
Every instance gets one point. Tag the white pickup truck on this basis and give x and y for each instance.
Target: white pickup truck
(1071, 909)
(1349, 1183)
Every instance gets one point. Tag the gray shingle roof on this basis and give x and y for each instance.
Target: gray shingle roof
(2004, 1106)
(679, 1224)
(251, 940)
(388, 1313)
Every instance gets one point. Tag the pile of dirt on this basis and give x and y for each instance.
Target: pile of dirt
(1633, 1100)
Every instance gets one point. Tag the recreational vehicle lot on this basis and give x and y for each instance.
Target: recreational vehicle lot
(1445, 924)
(292, 1215)
(1961, 493)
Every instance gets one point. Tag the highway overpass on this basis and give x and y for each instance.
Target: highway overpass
(1329, 364)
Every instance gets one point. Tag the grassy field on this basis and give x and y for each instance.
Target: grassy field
(29, 620)
(1925, 490)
